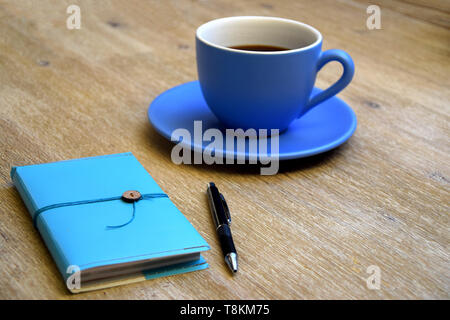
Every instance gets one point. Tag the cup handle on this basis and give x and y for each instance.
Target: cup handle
(349, 70)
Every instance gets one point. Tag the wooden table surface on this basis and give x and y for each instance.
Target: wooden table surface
(311, 231)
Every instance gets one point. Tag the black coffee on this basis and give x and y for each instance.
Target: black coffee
(259, 47)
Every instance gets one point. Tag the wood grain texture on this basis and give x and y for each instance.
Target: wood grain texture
(309, 232)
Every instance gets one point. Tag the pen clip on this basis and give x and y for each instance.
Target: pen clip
(225, 208)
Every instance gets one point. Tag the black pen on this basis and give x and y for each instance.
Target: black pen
(222, 220)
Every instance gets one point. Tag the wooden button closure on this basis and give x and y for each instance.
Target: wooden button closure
(131, 196)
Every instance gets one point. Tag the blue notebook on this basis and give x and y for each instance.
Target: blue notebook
(96, 238)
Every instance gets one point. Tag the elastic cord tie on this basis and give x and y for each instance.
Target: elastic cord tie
(76, 203)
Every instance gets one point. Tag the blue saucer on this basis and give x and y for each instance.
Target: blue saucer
(325, 127)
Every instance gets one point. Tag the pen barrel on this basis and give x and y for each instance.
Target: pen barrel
(226, 241)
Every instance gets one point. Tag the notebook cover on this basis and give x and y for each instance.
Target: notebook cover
(78, 235)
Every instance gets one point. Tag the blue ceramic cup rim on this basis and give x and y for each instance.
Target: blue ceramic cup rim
(282, 22)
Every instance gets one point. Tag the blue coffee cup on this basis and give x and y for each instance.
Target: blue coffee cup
(263, 89)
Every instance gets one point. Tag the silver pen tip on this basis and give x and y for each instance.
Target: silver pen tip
(232, 261)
